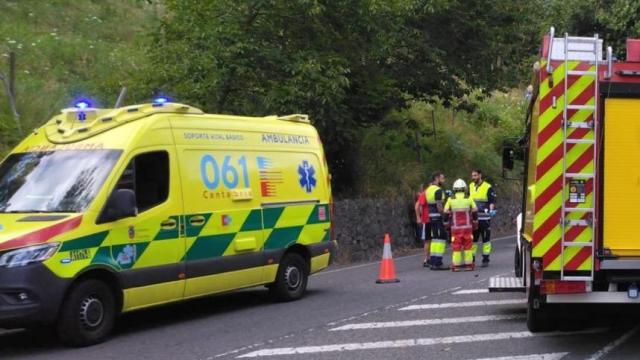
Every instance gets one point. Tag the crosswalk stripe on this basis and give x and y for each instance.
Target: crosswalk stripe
(614, 344)
(395, 344)
(465, 304)
(550, 356)
(471, 291)
(425, 322)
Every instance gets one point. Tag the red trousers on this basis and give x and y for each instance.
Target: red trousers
(462, 240)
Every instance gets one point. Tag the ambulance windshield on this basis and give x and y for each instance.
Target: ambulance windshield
(53, 181)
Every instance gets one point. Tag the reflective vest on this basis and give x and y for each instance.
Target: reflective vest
(432, 202)
(480, 194)
(460, 208)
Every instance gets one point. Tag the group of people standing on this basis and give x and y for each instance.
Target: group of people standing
(463, 215)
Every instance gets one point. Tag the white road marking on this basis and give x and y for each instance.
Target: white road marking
(426, 322)
(464, 304)
(614, 344)
(471, 291)
(550, 356)
(395, 344)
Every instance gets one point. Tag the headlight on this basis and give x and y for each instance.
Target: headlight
(28, 255)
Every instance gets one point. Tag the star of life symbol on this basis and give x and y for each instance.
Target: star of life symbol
(307, 176)
(127, 255)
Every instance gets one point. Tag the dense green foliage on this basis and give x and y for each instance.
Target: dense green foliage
(401, 153)
(347, 63)
(67, 49)
(375, 75)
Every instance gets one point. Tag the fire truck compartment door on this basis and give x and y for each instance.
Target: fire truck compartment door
(621, 212)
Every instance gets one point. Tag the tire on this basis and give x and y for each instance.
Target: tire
(540, 319)
(518, 263)
(87, 315)
(291, 280)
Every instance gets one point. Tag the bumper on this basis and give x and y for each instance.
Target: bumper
(325, 247)
(29, 295)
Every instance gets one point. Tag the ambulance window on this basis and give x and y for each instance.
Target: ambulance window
(148, 176)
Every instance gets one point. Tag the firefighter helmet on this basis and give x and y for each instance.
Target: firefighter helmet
(459, 185)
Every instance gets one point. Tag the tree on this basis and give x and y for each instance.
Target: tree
(346, 63)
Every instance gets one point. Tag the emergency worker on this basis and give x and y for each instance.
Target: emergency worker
(485, 198)
(435, 198)
(462, 215)
(424, 226)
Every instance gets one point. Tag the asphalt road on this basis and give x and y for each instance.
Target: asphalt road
(345, 315)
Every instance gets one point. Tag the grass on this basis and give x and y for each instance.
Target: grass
(68, 49)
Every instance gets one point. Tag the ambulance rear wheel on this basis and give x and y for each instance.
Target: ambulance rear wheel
(291, 280)
(88, 314)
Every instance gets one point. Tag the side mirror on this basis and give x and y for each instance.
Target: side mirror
(508, 156)
(121, 204)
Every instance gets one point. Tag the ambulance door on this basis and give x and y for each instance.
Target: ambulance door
(294, 199)
(223, 220)
(148, 248)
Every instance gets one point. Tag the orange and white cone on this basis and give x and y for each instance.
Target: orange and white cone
(387, 267)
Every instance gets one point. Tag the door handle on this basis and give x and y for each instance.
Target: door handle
(169, 224)
(197, 220)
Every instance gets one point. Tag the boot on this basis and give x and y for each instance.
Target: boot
(485, 261)
(439, 267)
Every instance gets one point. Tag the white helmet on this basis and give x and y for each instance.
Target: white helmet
(459, 185)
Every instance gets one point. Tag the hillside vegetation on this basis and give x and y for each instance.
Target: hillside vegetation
(397, 88)
(66, 50)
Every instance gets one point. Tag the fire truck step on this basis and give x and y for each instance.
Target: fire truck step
(506, 284)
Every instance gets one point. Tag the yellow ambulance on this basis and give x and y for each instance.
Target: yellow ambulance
(105, 211)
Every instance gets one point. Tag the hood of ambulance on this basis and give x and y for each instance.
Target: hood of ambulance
(25, 229)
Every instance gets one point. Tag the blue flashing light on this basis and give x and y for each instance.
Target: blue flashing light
(160, 100)
(83, 104)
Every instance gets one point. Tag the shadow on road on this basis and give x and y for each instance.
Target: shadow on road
(208, 308)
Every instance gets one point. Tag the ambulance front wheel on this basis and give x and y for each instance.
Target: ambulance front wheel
(292, 277)
(88, 314)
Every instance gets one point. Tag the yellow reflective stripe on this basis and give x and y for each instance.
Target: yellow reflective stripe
(486, 248)
(558, 73)
(549, 146)
(555, 264)
(574, 91)
(431, 193)
(547, 242)
(576, 152)
(438, 247)
(468, 257)
(456, 258)
(586, 265)
(547, 210)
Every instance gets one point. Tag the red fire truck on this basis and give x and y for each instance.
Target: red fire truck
(578, 240)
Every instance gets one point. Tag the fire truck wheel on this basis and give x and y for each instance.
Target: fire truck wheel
(540, 319)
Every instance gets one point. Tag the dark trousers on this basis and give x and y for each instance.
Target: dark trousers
(484, 232)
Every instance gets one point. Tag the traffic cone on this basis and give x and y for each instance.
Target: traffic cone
(387, 267)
